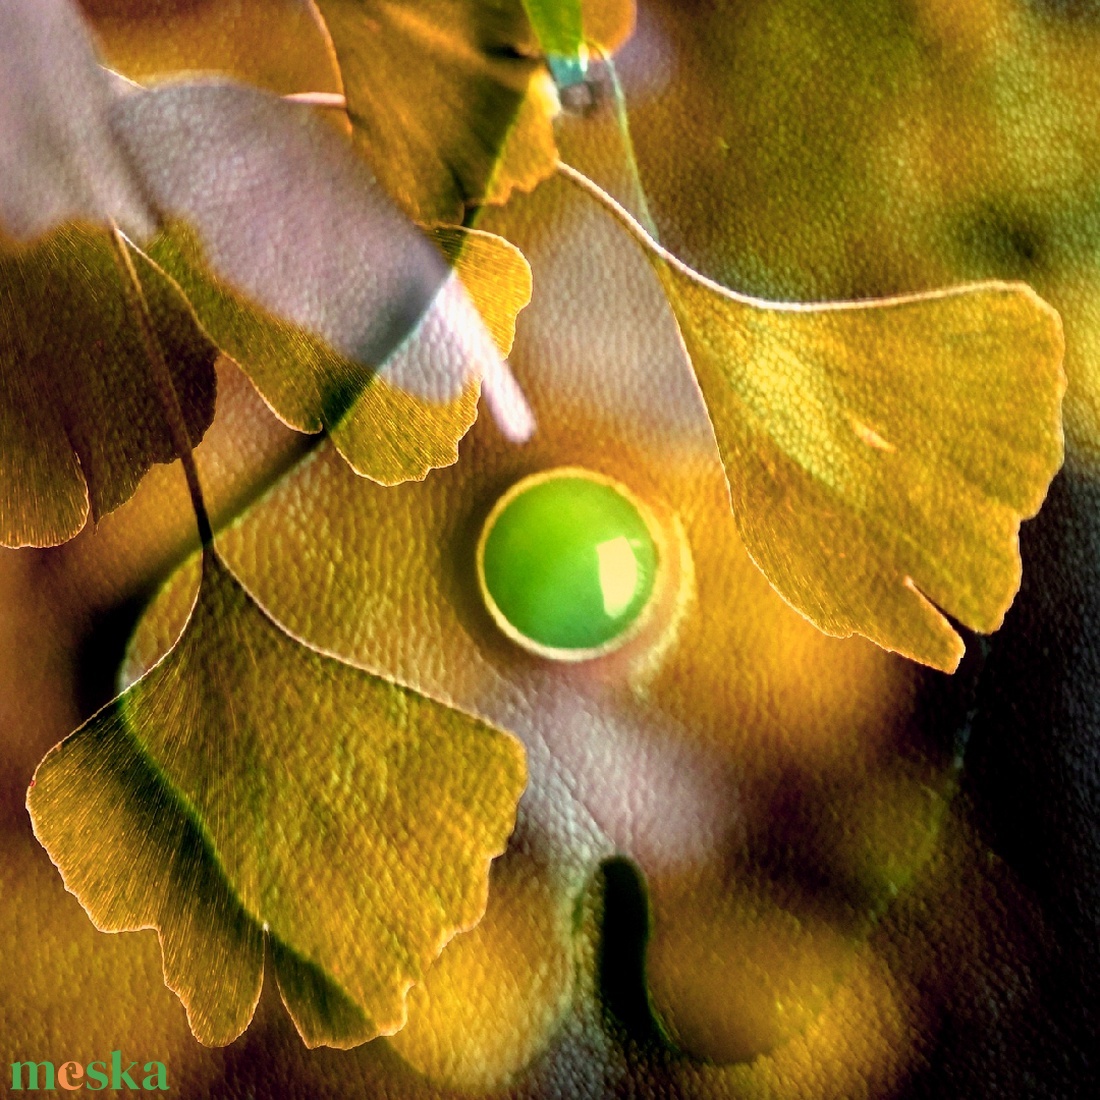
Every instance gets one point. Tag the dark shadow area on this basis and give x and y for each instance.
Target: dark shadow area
(102, 649)
(1076, 11)
(621, 962)
(1032, 776)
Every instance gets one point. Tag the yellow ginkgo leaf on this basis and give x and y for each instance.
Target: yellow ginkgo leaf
(382, 426)
(447, 99)
(250, 787)
(880, 455)
(391, 434)
(81, 414)
(356, 324)
(275, 44)
(498, 993)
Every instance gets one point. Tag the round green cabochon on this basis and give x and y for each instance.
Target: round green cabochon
(567, 563)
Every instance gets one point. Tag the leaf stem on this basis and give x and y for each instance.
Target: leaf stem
(162, 377)
(618, 95)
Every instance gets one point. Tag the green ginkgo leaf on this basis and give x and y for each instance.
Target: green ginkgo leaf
(249, 787)
(880, 455)
(447, 99)
(81, 415)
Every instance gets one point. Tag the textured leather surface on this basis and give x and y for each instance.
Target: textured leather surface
(791, 149)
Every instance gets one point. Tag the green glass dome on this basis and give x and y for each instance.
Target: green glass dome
(567, 564)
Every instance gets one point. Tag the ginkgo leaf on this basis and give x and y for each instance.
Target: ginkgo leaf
(295, 248)
(746, 773)
(880, 455)
(302, 269)
(248, 785)
(446, 99)
(382, 421)
(58, 158)
(81, 415)
(276, 44)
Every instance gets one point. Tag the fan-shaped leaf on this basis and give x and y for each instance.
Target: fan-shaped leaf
(881, 455)
(298, 262)
(446, 99)
(393, 424)
(81, 417)
(302, 269)
(248, 784)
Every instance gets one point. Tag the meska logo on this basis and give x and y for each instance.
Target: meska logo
(34, 1076)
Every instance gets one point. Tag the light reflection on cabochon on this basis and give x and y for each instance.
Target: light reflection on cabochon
(567, 564)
